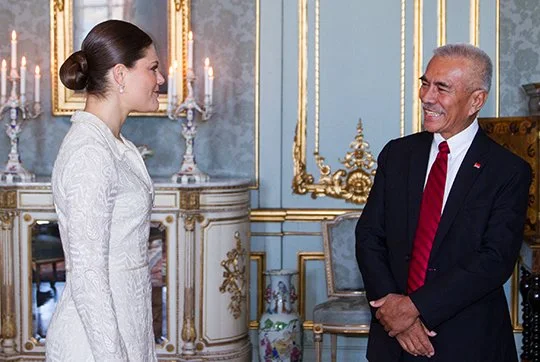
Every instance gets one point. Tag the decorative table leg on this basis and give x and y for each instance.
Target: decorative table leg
(7, 293)
(524, 288)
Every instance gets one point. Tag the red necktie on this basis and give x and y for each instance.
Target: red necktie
(430, 215)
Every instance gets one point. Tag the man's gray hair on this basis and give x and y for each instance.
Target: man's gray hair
(482, 63)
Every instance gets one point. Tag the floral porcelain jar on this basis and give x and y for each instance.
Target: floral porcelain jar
(280, 326)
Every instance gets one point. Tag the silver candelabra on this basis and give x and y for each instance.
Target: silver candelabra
(20, 111)
(185, 113)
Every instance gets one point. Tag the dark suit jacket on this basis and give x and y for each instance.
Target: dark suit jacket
(474, 251)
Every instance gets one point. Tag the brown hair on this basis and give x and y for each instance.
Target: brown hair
(107, 44)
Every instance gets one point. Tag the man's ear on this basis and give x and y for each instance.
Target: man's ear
(119, 72)
(478, 99)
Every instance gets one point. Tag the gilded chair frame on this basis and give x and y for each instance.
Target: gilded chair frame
(66, 101)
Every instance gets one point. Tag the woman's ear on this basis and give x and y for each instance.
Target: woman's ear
(119, 73)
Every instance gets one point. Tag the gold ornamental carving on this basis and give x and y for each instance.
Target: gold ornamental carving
(59, 5)
(8, 199)
(189, 200)
(189, 221)
(520, 135)
(188, 330)
(6, 219)
(189, 335)
(8, 326)
(234, 275)
(352, 183)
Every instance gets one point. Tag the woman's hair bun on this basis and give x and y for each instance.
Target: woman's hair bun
(74, 71)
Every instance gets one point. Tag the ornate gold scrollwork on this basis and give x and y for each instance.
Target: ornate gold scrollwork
(352, 183)
(6, 219)
(189, 200)
(177, 5)
(59, 5)
(8, 199)
(8, 326)
(188, 330)
(235, 277)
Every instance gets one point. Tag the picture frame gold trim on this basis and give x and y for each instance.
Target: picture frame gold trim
(310, 215)
(260, 258)
(66, 101)
(303, 258)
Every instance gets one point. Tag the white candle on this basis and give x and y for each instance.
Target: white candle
(37, 77)
(13, 50)
(210, 83)
(170, 80)
(23, 75)
(206, 67)
(3, 90)
(190, 51)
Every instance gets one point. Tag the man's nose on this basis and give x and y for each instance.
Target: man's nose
(428, 95)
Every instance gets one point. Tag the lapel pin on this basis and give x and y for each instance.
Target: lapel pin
(477, 165)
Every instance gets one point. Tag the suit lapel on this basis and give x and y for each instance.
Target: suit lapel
(418, 163)
(473, 163)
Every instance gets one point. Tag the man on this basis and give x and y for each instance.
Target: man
(442, 229)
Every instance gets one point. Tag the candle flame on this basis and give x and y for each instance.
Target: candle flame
(175, 64)
(206, 62)
(4, 64)
(171, 69)
(37, 69)
(210, 72)
(23, 61)
(190, 35)
(13, 35)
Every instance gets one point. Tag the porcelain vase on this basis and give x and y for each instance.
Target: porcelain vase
(280, 326)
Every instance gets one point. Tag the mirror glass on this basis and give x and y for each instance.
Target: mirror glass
(49, 276)
(166, 21)
(148, 15)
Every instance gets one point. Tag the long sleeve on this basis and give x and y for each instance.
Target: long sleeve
(88, 184)
(486, 268)
(371, 248)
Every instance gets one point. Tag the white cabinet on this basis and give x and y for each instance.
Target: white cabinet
(202, 264)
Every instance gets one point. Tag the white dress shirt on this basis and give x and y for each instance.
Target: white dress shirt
(459, 145)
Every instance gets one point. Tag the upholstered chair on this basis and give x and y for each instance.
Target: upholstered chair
(347, 310)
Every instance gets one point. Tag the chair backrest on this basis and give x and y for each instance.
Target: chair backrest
(343, 277)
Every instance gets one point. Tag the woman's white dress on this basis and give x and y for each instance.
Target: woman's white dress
(103, 197)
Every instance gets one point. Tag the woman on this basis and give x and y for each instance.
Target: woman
(103, 197)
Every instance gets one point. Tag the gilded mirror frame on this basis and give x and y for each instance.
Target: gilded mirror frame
(352, 182)
(66, 101)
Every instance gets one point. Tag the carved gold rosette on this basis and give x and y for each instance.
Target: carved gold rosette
(351, 184)
(234, 275)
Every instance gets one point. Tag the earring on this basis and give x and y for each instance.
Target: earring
(121, 88)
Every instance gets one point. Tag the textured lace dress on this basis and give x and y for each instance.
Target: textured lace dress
(103, 197)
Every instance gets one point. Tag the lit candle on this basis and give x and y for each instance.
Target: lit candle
(190, 50)
(210, 83)
(170, 81)
(3, 88)
(23, 75)
(206, 66)
(37, 77)
(13, 49)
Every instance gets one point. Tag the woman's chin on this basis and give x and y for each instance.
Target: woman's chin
(153, 107)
